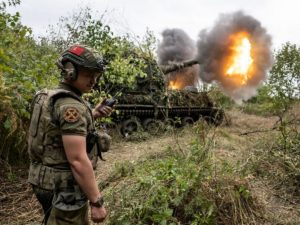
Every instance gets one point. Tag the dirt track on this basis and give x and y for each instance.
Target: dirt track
(132, 151)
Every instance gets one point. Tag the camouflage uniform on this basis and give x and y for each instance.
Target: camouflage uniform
(55, 113)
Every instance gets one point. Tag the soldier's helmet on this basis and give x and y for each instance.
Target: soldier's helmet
(82, 56)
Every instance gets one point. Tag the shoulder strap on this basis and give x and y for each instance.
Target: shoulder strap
(37, 97)
(36, 111)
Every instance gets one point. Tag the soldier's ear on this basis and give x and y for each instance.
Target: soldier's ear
(69, 71)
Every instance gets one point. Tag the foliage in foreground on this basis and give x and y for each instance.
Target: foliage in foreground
(179, 187)
(279, 158)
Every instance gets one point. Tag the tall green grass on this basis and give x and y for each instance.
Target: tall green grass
(180, 186)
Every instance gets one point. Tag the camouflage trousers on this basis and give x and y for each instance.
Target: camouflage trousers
(58, 210)
(74, 217)
(45, 199)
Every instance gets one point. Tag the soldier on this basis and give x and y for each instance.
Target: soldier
(63, 145)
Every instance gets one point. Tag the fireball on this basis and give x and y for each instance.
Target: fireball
(173, 85)
(238, 66)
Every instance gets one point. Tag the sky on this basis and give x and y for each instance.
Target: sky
(281, 18)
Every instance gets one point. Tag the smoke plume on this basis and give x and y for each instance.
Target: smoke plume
(175, 47)
(213, 48)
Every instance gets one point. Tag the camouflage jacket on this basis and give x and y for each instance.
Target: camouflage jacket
(56, 112)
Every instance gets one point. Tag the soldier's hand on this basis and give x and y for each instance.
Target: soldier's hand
(98, 215)
(102, 110)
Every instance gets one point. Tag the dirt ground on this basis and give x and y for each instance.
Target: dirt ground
(18, 205)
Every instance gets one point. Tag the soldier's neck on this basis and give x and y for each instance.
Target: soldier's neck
(69, 87)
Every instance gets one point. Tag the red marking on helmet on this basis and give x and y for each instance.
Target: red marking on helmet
(77, 50)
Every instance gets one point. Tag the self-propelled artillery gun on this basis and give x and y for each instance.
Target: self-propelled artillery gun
(152, 106)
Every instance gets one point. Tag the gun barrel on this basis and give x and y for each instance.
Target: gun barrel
(177, 66)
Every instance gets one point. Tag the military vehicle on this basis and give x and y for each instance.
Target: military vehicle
(151, 105)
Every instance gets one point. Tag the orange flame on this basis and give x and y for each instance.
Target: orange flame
(238, 66)
(173, 85)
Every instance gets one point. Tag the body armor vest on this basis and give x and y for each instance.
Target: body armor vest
(49, 167)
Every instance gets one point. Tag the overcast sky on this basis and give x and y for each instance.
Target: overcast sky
(280, 17)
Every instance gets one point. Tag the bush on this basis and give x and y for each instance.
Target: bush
(262, 109)
(220, 98)
(25, 67)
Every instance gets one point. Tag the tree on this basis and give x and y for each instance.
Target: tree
(25, 67)
(125, 59)
(284, 80)
(28, 64)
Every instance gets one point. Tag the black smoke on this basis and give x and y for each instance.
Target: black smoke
(177, 47)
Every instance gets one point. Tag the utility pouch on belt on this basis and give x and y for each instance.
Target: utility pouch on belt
(101, 140)
(104, 141)
(69, 200)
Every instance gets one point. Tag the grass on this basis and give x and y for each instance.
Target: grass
(182, 186)
(262, 109)
(195, 175)
(223, 177)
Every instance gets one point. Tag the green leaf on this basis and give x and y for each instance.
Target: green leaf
(7, 124)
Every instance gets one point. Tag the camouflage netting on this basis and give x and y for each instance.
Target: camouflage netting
(175, 98)
(188, 98)
(136, 99)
